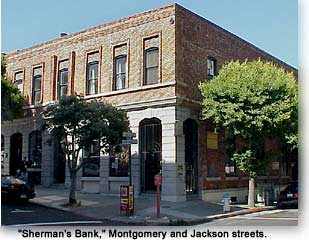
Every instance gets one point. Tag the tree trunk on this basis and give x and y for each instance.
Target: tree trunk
(251, 194)
(72, 197)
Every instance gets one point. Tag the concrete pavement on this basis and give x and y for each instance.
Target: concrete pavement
(278, 217)
(103, 207)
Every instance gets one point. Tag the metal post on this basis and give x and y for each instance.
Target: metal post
(130, 167)
(158, 201)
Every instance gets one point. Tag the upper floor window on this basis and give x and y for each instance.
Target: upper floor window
(36, 85)
(151, 66)
(120, 72)
(211, 67)
(92, 73)
(63, 79)
(18, 80)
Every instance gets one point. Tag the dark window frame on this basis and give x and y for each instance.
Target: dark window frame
(147, 51)
(34, 90)
(19, 81)
(89, 80)
(123, 75)
(61, 85)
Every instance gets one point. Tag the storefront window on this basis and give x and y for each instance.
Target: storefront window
(92, 157)
(119, 162)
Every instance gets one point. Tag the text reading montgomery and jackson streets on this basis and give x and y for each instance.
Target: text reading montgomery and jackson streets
(135, 234)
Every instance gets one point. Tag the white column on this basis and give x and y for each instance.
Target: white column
(104, 174)
(173, 179)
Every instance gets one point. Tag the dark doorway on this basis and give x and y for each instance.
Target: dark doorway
(35, 156)
(16, 149)
(190, 130)
(150, 131)
(59, 163)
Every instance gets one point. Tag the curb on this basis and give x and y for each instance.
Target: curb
(177, 222)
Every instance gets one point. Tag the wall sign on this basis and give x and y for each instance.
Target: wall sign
(212, 140)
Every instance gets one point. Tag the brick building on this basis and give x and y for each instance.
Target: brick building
(149, 64)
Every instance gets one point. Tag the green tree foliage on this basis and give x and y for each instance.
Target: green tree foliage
(12, 101)
(253, 101)
(78, 124)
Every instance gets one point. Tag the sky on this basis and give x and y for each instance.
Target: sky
(271, 25)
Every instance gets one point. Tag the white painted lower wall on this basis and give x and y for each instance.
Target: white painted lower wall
(216, 195)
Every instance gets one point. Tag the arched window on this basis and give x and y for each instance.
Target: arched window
(151, 66)
(35, 149)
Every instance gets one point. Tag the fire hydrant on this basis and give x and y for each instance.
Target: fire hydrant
(226, 202)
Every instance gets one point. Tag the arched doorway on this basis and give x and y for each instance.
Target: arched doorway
(35, 156)
(59, 163)
(150, 131)
(35, 149)
(190, 129)
(16, 149)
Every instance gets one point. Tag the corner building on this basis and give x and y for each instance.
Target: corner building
(149, 64)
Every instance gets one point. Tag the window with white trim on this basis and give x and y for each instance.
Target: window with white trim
(151, 66)
(92, 75)
(120, 72)
(211, 67)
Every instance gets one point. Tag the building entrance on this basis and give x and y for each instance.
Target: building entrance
(150, 150)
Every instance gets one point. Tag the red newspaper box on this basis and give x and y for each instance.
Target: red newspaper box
(127, 199)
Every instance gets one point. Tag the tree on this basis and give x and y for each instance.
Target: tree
(12, 101)
(252, 101)
(78, 124)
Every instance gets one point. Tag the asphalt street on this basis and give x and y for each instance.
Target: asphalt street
(27, 213)
(17, 213)
(287, 217)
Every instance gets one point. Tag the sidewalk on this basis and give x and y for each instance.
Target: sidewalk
(102, 207)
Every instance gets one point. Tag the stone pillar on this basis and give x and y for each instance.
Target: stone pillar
(134, 119)
(173, 181)
(47, 165)
(104, 174)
